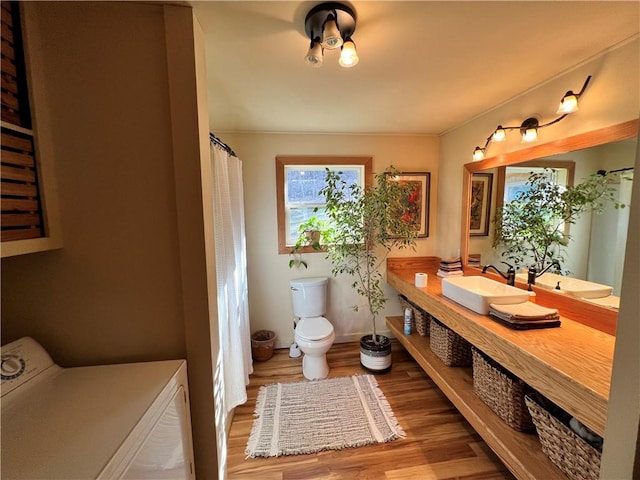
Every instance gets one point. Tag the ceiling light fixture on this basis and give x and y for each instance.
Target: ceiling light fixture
(314, 55)
(529, 128)
(330, 26)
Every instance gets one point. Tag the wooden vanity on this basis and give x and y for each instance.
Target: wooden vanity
(570, 365)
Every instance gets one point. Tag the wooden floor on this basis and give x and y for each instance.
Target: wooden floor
(440, 444)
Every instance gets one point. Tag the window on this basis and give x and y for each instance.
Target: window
(513, 180)
(298, 181)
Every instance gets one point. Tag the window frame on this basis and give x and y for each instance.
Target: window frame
(316, 161)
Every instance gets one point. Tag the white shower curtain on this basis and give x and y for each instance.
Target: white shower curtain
(231, 272)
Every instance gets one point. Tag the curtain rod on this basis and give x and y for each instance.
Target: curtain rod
(221, 144)
(604, 172)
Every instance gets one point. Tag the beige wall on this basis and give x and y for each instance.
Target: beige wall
(130, 283)
(269, 273)
(612, 97)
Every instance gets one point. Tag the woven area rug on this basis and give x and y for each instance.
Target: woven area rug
(331, 414)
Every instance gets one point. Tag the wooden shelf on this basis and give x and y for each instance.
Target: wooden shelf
(570, 365)
(520, 452)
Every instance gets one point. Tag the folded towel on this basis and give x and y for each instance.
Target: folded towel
(445, 269)
(451, 267)
(451, 264)
(455, 273)
(526, 324)
(589, 435)
(446, 261)
(527, 311)
(474, 259)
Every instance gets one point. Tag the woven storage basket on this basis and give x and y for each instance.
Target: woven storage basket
(420, 317)
(262, 344)
(451, 348)
(568, 451)
(502, 391)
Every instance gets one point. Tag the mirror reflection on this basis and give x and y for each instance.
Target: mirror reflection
(595, 250)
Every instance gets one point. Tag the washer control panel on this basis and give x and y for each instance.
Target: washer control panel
(21, 361)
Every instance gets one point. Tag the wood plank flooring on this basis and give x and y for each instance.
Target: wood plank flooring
(440, 444)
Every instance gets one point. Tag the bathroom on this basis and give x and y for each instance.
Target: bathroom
(126, 288)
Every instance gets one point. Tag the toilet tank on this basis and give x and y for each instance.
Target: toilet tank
(309, 296)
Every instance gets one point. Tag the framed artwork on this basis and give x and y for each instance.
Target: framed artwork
(480, 203)
(417, 205)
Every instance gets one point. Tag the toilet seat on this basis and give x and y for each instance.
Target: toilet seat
(314, 328)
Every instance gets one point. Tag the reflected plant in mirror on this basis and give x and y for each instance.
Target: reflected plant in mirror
(533, 228)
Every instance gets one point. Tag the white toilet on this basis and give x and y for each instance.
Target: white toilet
(314, 334)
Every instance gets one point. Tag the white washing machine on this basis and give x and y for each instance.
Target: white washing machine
(126, 421)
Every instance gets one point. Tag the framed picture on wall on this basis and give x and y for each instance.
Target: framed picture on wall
(417, 204)
(480, 203)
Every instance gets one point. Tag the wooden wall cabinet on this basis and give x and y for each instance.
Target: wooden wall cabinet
(29, 218)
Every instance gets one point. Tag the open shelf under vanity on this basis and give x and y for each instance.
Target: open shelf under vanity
(570, 365)
(520, 452)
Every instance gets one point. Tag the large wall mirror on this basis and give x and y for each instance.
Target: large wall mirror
(596, 249)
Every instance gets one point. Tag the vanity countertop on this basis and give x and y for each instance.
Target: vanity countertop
(570, 365)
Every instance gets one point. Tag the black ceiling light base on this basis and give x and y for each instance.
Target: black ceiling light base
(528, 124)
(318, 15)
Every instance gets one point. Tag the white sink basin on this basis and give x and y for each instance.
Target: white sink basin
(573, 287)
(477, 293)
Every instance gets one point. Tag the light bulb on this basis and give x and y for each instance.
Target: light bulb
(568, 104)
(348, 55)
(331, 38)
(478, 154)
(314, 55)
(530, 135)
(499, 135)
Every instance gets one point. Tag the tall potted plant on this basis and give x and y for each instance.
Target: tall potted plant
(367, 224)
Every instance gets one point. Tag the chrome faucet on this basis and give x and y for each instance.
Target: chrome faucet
(533, 273)
(510, 276)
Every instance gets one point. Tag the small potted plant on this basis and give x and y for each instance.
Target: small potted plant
(314, 233)
(367, 224)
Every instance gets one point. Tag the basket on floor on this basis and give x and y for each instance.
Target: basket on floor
(502, 391)
(567, 450)
(262, 345)
(448, 346)
(420, 317)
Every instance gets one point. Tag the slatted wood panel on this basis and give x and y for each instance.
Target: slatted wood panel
(21, 216)
(440, 444)
(13, 92)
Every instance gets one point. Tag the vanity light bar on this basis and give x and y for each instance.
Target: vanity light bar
(529, 128)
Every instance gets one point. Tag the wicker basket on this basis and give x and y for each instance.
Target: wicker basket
(262, 344)
(502, 391)
(568, 451)
(420, 317)
(451, 348)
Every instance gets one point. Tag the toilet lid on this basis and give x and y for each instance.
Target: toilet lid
(314, 328)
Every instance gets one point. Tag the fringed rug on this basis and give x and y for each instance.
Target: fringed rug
(331, 414)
